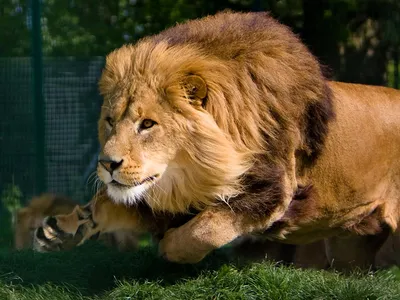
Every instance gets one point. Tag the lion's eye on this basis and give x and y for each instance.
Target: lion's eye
(110, 121)
(146, 124)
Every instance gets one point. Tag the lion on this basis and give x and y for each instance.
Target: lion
(30, 217)
(230, 120)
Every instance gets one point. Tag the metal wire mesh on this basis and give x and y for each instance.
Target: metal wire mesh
(72, 106)
(16, 124)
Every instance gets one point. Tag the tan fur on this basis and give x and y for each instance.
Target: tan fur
(145, 81)
(357, 176)
(192, 171)
(30, 217)
(269, 126)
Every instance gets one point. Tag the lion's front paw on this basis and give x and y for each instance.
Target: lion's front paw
(49, 237)
(65, 231)
(180, 248)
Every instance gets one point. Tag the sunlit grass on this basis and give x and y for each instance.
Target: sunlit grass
(96, 272)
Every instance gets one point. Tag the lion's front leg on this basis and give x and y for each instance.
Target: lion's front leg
(100, 215)
(210, 230)
(191, 242)
(270, 191)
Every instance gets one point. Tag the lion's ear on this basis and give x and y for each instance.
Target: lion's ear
(196, 89)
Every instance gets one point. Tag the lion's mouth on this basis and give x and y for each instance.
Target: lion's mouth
(121, 185)
(118, 184)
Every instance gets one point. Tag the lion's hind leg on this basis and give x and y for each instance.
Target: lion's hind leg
(66, 231)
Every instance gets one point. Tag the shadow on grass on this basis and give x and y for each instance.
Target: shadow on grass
(102, 273)
(93, 269)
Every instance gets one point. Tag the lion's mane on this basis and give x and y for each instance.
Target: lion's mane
(266, 93)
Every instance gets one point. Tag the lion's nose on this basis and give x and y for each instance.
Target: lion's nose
(110, 164)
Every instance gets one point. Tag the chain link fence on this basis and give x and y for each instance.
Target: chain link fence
(71, 107)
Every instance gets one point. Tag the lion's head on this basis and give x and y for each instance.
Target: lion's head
(186, 112)
(157, 137)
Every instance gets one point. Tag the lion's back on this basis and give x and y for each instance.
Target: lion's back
(229, 35)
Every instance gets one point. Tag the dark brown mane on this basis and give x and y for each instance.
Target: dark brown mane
(317, 118)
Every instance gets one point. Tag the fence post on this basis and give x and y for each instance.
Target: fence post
(396, 83)
(39, 105)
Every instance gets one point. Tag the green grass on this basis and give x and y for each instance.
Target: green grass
(96, 272)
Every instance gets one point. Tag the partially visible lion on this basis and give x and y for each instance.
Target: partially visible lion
(229, 119)
(29, 218)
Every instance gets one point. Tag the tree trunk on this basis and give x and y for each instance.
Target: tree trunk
(396, 68)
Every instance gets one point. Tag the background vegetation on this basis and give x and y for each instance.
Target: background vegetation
(355, 38)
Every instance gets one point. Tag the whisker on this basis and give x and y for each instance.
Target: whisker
(97, 186)
(156, 184)
(153, 199)
(91, 177)
(93, 190)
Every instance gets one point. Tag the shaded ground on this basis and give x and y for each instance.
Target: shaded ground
(96, 272)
